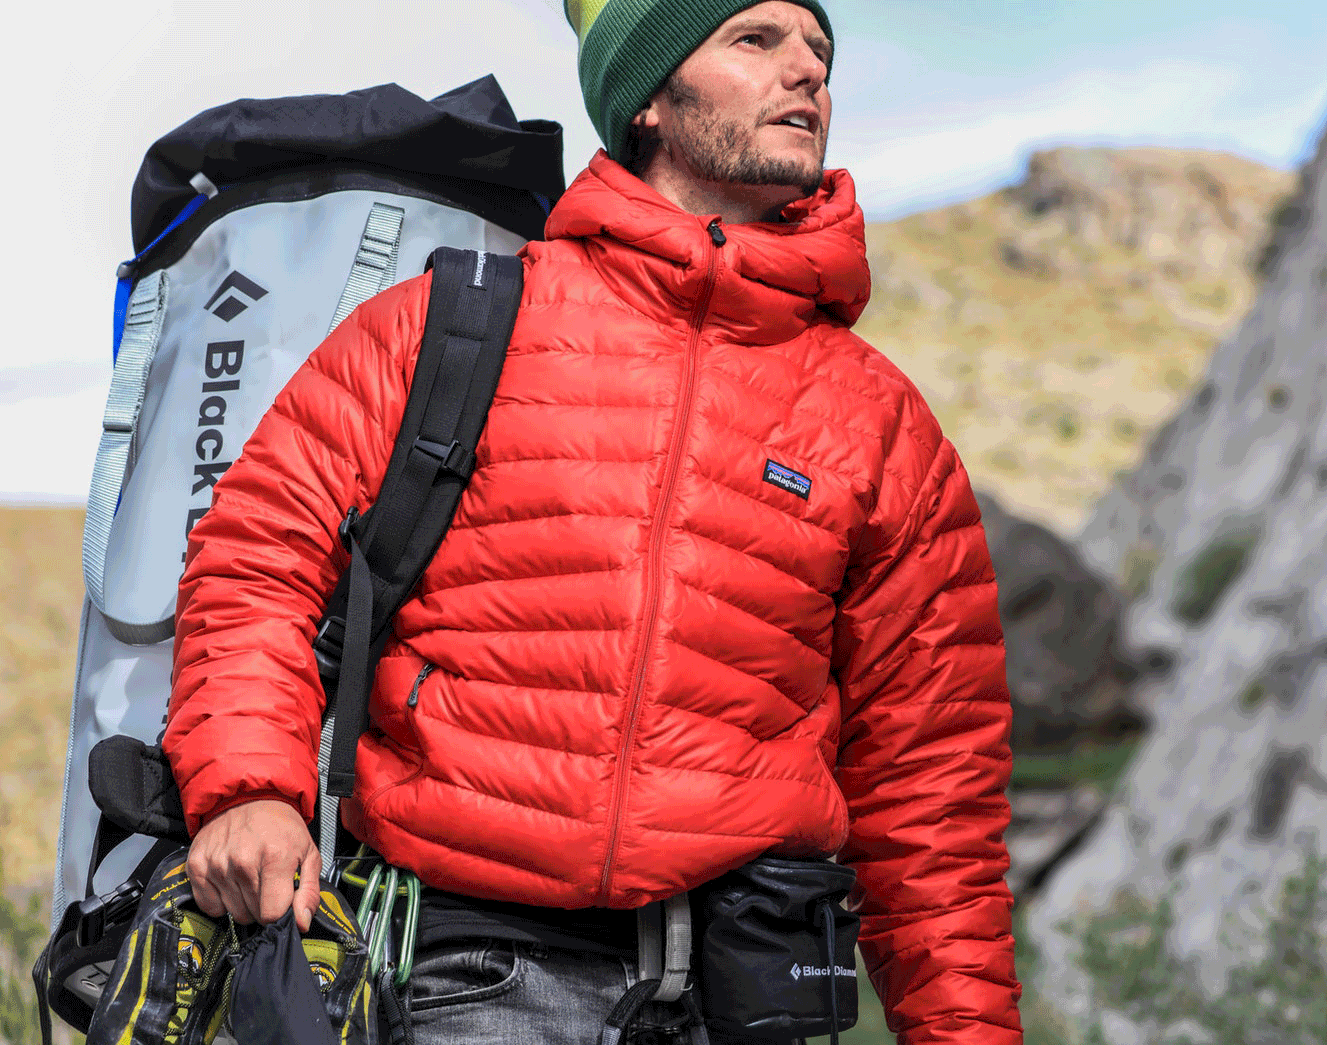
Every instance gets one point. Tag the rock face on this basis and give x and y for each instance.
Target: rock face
(1184, 209)
(1222, 534)
(1047, 823)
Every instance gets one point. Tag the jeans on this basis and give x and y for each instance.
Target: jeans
(500, 992)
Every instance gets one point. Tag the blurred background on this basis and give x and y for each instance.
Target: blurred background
(1098, 238)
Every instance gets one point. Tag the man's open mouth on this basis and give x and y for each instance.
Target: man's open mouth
(801, 120)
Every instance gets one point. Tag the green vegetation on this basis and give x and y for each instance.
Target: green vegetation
(1136, 569)
(1133, 971)
(1210, 573)
(22, 936)
(1095, 764)
(1254, 696)
(1278, 996)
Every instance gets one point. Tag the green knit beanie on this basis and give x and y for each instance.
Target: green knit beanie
(628, 48)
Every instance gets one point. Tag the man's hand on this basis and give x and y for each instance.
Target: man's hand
(244, 862)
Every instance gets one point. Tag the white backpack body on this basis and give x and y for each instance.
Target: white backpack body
(224, 301)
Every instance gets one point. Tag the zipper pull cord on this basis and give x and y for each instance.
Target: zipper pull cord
(825, 914)
(424, 673)
(716, 233)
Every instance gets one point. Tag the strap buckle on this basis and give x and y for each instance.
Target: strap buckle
(452, 458)
(328, 645)
(95, 913)
(346, 530)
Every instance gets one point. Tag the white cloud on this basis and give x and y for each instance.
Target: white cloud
(931, 157)
(46, 380)
(52, 443)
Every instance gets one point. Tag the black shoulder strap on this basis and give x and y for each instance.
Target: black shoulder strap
(472, 309)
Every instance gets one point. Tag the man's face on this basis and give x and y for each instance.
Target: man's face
(749, 106)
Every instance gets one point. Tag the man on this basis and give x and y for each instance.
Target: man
(718, 586)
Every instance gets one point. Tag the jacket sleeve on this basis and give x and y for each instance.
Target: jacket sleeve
(246, 700)
(925, 762)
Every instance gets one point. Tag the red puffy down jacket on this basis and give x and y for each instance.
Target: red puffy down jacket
(644, 654)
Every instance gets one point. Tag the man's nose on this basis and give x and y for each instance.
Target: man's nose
(804, 67)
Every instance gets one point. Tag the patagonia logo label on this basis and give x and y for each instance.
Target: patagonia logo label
(787, 479)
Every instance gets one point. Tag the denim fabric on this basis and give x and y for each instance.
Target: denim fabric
(503, 992)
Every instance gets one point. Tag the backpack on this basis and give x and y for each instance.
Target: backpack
(259, 226)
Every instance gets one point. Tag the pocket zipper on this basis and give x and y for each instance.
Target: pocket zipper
(424, 673)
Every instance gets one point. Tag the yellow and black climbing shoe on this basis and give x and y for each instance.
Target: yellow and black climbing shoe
(184, 978)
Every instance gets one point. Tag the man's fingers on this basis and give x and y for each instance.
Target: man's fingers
(237, 886)
(243, 906)
(208, 899)
(276, 891)
(308, 896)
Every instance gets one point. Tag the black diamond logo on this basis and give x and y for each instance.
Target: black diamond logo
(233, 304)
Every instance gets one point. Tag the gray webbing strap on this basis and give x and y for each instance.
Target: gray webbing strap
(649, 941)
(375, 260)
(329, 805)
(138, 345)
(677, 947)
(663, 932)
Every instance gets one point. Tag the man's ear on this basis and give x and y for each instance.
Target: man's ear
(648, 117)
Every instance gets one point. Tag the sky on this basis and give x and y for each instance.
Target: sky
(934, 101)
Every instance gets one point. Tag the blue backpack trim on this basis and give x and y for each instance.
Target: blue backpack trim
(124, 285)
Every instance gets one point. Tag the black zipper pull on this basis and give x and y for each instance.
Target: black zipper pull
(716, 233)
(424, 673)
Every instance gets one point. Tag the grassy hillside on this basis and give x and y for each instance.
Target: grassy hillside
(41, 590)
(1054, 325)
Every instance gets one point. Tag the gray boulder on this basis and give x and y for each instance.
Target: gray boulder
(1060, 621)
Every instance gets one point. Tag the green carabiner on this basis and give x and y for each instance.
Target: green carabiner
(367, 897)
(382, 927)
(409, 930)
(378, 903)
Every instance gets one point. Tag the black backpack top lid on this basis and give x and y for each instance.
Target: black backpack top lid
(469, 133)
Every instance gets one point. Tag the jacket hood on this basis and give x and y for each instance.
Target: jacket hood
(773, 272)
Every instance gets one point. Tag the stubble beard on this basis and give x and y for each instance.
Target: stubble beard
(723, 151)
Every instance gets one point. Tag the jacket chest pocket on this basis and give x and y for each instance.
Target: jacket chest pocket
(807, 516)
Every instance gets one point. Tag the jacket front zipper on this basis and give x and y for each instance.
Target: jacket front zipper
(653, 578)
